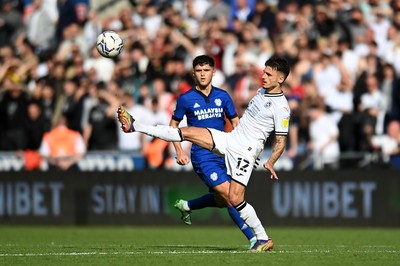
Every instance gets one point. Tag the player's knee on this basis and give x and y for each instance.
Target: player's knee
(234, 199)
(221, 198)
(188, 132)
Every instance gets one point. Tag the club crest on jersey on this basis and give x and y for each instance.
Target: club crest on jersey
(268, 105)
(214, 176)
(218, 102)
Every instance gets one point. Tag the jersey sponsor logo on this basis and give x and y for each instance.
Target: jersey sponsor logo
(214, 176)
(218, 102)
(209, 113)
(196, 105)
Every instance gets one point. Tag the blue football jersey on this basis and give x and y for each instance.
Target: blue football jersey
(204, 111)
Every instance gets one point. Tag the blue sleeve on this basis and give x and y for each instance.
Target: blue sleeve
(180, 109)
(229, 107)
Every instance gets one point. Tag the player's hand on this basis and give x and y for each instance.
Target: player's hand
(182, 159)
(269, 167)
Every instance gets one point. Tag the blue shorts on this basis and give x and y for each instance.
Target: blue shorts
(212, 171)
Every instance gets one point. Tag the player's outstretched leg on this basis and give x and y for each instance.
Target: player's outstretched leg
(129, 124)
(180, 205)
(125, 119)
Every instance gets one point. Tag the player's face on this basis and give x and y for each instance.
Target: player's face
(203, 75)
(272, 79)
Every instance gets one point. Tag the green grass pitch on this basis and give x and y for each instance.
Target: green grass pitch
(195, 245)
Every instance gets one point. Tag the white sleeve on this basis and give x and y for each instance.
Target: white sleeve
(282, 117)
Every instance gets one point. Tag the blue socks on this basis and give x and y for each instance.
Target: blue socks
(204, 201)
(246, 230)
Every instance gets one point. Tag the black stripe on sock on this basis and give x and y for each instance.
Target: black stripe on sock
(241, 205)
(180, 134)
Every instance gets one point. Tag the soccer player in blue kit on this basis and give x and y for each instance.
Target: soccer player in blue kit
(205, 106)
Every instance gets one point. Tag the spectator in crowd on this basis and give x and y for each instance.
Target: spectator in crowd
(62, 147)
(324, 134)
(264, 17)
(11, 23)
(103, 67)
(100, 132)
(372, 112)
(48, 103)
(219, 10)
(156, 151)
(390, 85)
(40, 28)
(71, 12)
(72, 103)
(389, 144)
(35, 126)
(340, 106)
(134, 142)
(13, 110)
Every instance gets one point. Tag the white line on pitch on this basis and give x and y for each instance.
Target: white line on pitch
(180, 253)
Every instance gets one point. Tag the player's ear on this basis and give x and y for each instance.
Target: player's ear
(281, 78)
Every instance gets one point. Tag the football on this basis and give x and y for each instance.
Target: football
(109, 44)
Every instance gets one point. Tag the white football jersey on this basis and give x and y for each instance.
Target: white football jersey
(265, 113)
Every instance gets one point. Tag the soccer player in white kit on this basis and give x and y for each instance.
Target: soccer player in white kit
(267, 111)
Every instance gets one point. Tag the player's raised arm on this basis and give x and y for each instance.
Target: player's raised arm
(278, 149)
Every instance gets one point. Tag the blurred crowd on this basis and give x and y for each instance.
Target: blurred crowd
(344, 87)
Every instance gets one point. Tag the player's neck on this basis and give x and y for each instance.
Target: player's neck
(274, 90)
(205, 90)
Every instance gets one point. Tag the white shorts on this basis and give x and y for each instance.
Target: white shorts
(239, 159)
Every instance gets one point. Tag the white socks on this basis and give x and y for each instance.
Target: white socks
(164, 132)
(186, 206)
(249, 216)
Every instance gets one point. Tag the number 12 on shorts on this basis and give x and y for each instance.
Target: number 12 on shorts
(242, 164)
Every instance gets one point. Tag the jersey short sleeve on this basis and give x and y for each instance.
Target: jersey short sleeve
(180, 109)
(281, 120)
(229, 107)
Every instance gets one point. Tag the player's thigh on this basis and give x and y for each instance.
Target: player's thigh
(199, 136)
(216, 178)
(212, 171)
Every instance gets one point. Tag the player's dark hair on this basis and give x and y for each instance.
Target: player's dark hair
(202, 60)
(280, 64)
